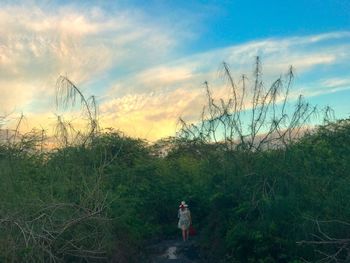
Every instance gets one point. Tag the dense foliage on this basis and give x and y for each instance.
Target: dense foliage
(260, 186)
(105, 200)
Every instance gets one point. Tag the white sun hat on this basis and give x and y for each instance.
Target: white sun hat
(183, 203)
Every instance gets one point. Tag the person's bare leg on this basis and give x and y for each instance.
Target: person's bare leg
(183, 234)
(187, 233)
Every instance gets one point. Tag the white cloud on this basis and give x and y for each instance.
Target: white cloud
(151, 115)
(37, 45)
(326, 86)
(175, 89)
(148, 89)
(335, 82)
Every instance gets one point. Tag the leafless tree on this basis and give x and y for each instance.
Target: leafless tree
(329, 248)
(67, 94)
(254, 117)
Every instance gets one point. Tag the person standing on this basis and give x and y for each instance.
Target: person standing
(185, 220)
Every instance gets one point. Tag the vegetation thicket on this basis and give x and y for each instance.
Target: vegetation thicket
(262, 187)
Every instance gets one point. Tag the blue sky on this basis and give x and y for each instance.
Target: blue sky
(221, 22)
(146, 60)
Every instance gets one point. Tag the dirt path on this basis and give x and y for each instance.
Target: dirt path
(172, 251)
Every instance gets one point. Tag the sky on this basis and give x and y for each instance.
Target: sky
(146, 61)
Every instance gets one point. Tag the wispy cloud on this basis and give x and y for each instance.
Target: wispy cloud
(336, 82)
(136, 69)
(37, 45)
(179, 80)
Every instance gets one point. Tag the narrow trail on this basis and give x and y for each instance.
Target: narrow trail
(174, 251)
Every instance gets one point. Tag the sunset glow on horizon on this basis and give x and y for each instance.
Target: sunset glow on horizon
(146, 64)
